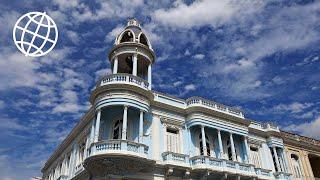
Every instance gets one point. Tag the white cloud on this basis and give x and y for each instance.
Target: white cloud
(205, 12)
(190, 87)
(111, 36)
(16, 70)
(196, 14)
(2, 104)
(294, 107)
(73, 37)
(198, 56)
(310, 129)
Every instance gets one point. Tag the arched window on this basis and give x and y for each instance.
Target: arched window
(296, 166)
(127, 36)
(143, 39)
(201, 145)
(117, 129)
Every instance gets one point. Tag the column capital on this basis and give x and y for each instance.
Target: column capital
(218, 130)
(125, 106)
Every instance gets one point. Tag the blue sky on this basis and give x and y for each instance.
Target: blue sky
(260, 56)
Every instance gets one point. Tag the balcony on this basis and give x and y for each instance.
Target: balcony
(264, 173)
(117, 157)
(176, 159)
(200, 102)
(122, 78)
(63, 177)
(78, 169)
(222, 165)
(282, 175)
(120, 147)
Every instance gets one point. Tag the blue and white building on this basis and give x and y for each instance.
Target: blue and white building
(134, 132)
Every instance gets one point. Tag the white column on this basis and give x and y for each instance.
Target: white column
(135, 64)
(92, 131)
(246, 155)
(149, 76)
(204, 144)
(232, 148)
(220, 144)
(115, 65)
(124, 123)
(276, 158)
(189, 141)
(96, 135)
(141, 127)
(285, 160)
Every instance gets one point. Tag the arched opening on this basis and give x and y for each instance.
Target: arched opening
(125, 64)
(143, 40)
(296, 166)
(201, 145)
(127, 36)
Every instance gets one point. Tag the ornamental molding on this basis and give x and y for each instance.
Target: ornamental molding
(121, 94)
(171, 123)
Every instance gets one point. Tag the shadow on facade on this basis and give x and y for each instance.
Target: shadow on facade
(315, 165)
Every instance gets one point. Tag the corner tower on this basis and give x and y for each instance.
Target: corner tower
(132, 54)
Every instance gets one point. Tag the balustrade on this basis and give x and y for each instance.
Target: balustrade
(213, 105)
(104, 147)
(123, 78)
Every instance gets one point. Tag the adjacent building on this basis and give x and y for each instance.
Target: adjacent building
(134, 132)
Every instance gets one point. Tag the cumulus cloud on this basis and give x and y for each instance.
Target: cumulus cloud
(199, 13)
(310, 129)
(294, 107)
(198, 56)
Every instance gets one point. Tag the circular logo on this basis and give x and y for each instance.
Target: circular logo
(35, 34)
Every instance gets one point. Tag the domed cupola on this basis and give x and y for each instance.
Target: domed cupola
(133, 33)
(132, 53)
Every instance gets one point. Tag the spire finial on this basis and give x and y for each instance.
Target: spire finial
(133, 22)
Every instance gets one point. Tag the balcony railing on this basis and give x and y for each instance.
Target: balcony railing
(62, 177)
(79, 168)
(198, 101)
(263, 172)
(122, 78)
(176, 159)
(282, 175)
(205, 162)
(119, 146)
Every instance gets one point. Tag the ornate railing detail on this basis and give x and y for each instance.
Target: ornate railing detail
(109, 146)
(122, 78)
(213, 105)
(78, 168)
(266, 126)
(62, 177)
(175, 158)
(205, 162)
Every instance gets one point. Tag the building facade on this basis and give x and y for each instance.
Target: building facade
(133, 132)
